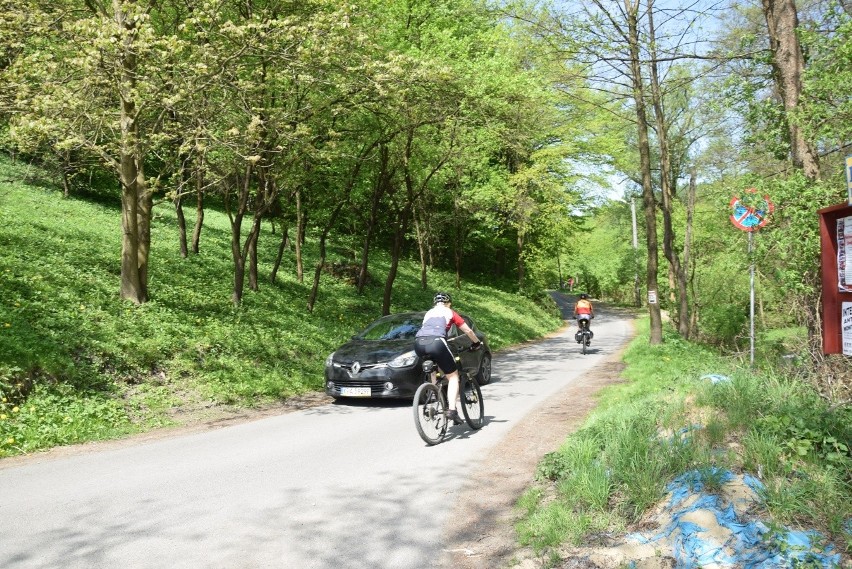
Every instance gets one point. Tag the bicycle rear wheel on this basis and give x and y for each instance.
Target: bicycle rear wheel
(585, 341)
(473, 407)
(429, 416)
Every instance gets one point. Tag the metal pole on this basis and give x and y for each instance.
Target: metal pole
(751, 286)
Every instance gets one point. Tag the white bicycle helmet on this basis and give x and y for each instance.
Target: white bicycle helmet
(442, 297)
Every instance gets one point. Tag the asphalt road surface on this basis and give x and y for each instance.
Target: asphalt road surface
(336, 486)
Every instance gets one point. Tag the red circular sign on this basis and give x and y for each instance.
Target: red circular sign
(751, 212)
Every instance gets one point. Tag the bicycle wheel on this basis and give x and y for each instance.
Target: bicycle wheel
(585, 341)
(473, 407)
(429, 416)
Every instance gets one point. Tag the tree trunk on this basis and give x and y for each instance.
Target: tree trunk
(181, 220)
(266, 196)
(66, 173)
(667, 175)
(199, 204)
(788, 63)
(135, 198)
(687, 238)
(421, 249)
(252, 261)
(521, 267)
(285, 242)
(459, 241)
(379, 189)
(396, 251)
(321, 262)
(648, 199)
(300, 236)
(236, 218)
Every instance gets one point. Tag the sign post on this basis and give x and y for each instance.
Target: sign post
(749, 213)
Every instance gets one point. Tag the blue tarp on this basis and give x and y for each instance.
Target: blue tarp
(716, 378)
(747, 544)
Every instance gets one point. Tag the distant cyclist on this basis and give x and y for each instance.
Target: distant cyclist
(431, 342)
(583, 312)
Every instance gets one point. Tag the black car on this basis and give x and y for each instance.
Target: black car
(380, 361)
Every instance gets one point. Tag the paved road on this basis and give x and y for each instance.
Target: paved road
(337, 486)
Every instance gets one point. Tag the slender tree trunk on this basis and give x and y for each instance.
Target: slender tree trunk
(687, 238)
(199, 204)
(266, 195)
(251, 251)
(300, 236)
(312, 299)
(459, 241)
(788, 62)
(379, 188)
(66, 173)
(181, 218)
(421, 249)
(521, 267)
(252, 262)
(667, 175)
(396, 251)
(236, 217)
(648, 199)
(285, 243)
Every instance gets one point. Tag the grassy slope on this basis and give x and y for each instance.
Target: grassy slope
(76, 363)
(611, 471)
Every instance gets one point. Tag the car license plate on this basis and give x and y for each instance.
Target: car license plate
(355, 391)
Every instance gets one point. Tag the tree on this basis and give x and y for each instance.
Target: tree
(782, 22)
(93, 80)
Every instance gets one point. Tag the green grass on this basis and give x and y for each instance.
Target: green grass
(79, 364)
(666, 421)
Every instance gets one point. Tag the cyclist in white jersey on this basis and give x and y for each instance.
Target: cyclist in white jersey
(431, 342)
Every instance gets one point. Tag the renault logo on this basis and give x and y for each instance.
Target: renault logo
(356, 367)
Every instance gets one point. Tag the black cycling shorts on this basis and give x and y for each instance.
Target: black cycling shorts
(436, 349)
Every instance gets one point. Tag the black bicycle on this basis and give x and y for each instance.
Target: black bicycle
(583, 335)
(430, 403)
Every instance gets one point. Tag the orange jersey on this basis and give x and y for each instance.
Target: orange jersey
(583, 306)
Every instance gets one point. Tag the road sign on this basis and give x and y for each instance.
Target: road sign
(750, 212)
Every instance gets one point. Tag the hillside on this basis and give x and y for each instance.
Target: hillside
(78, 364)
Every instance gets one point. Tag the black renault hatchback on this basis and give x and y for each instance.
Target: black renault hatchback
(380, 361)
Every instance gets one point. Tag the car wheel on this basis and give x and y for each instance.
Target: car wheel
(483, 376)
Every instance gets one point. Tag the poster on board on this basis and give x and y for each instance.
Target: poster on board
(846, 328)
(844, 254)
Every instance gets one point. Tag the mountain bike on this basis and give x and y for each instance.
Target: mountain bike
(430, 403)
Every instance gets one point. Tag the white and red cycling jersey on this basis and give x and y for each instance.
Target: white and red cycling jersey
(438, 320)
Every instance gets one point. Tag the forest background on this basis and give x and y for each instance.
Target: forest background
(201, 198)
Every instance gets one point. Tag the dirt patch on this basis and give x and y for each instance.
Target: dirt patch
(481, 534)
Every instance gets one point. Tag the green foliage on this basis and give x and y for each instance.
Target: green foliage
(826, 109)
(602, 254)
(54, 415)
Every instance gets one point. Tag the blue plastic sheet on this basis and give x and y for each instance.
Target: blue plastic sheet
(716, 378)
(747, 544)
